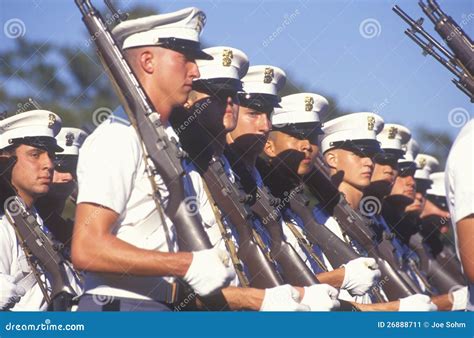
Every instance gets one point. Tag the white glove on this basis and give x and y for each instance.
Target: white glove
(10, 293)
(321, 297)
(360, 275)
(459, 299)
(282, 298)
(209, 271)
(417, 303)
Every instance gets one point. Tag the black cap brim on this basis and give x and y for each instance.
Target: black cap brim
(260, 102)
(192, 49)
(43, 142)
(366, 147)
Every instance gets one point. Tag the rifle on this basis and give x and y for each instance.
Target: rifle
(160, 149)
(41, 250)
(265, 206)
(295, 271)
(231, 200)
(460, 61)
(358, 229)
(441, 279)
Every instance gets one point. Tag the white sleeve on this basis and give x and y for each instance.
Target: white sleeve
(107, 166)
(462, 175)
(7, 246)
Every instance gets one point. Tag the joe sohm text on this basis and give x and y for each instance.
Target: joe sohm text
(419, 324)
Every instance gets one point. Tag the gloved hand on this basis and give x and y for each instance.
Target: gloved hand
(282, 298)
(209, 271)
(459, 298)
(417, 303)
(321, 297)
(10, 293)
(360, 275)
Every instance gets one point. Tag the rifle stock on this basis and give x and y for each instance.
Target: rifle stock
(230, 199)
(40, 247)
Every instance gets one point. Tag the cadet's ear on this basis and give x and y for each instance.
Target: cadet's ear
(148, 61)
(269, 148)
(331, 159)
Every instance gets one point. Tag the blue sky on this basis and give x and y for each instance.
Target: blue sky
(321, 44)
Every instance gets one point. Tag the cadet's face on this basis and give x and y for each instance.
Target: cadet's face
(284, 142)
(252, 130)
(405, 186)
(357, 170)
(315, 150)
(384, 172)
(32, 174)
(174, 76)
(417, 205)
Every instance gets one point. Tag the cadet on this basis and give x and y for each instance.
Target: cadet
(28, 140)
(212, 108)
(64, 187)
(460, 196)
(297, 132)
(130, 254)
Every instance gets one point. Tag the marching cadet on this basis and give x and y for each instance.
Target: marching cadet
(64, 186)
(28, 140)
(460, 195)
(277, 146)
(249, 138)
(129, 251)
(214, 104)
(402, 198)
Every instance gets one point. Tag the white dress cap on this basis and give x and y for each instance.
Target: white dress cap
(229, 65)
(411, 149)
(178, 31)
(71, 139)
(437, 186)
(425, 164)
(392, 137)
(36, 128)
(358, 130)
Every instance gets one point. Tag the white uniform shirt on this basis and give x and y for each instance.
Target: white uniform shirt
(13, 262)
(111, 172)
(459, 182)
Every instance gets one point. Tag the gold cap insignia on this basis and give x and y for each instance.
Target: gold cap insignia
(308, 103)
(227, 56)
(52, 120)
(392, 132)
(69, 139)
(201, 21)
(370, 122)
(268, 75)
(422, 162)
